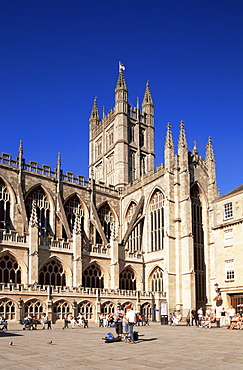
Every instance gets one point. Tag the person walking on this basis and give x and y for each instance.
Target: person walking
(194, 316)
(131, 318)
(222, 317)
(231, 313)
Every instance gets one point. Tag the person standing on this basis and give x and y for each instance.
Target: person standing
(131, 318)
(200, 315)
(118, 317)
(222, 317)
(194, 316)
(231, 313)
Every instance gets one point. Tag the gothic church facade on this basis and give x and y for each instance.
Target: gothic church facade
(129, 234)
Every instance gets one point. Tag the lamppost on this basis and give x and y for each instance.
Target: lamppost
(20, 302)
(74, 308)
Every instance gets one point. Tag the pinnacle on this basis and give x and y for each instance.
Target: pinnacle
(147, 95)
(182, 137)
(169, 140)
(121, 83)
(94, 112)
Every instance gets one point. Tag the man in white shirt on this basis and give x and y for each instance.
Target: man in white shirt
(131, 318)
(231, 312)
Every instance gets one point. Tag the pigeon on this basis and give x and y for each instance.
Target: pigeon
(10, 343)
(50, 342)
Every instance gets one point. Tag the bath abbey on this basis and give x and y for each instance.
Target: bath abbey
(160, 240)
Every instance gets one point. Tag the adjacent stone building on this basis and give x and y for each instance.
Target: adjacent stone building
(129, 234)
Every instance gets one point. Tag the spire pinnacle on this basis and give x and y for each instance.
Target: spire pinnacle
(147, 95)
(182, 137)
(169, 140)
(94, 113)
(209, 150)
(33, 216)
(21, 148)
(121, 83)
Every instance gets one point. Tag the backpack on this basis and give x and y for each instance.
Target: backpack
(109, 336)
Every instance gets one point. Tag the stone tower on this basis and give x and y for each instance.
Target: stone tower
(122, 143)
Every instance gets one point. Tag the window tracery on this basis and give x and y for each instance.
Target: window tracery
(4, 207)
(127, 279)
(73, 207)
(10, 271)
(42, 209)
(7, 309)
(157, 221)
(52, 273)
(93, 277)
(157, 280)
(86, 308)
(134, 242)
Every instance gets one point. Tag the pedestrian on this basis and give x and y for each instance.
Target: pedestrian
(118, 318)
(194, 316)
(199, 315)
(131, 318)
(231, 313)
(222, 317)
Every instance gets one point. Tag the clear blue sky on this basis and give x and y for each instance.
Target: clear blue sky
(56, 55)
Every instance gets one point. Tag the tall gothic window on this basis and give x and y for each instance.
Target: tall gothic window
(42, 209)
(10, 271)
(157, 221)
(134, 242)
(127, 279)
(157, 280)
(106, 219)
(4, 207)
(198, 236)
(132, 165)
(93, 277)
(72, 209)
(52, 273)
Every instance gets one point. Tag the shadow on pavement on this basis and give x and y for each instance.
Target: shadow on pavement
(7, 334)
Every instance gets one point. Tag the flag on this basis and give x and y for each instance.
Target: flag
(121, 67)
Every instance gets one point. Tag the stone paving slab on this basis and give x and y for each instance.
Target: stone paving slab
(158, 347)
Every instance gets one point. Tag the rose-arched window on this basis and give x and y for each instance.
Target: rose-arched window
(7, 309)
(93, 277)
(10, 271)
(157, 280)
(61, 309)
(52, 273)
(134, 242)
(34, 307)
(4, 207)
(107, 307)
(157, 221)
(74, 209)
(42, 205)
(127, 279)
(86, 308)
(106, 219)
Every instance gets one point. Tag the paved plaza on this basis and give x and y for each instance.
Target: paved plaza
(158, 347)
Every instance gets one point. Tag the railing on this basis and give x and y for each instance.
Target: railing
(97, 249)
(12, 237)
(50, 243)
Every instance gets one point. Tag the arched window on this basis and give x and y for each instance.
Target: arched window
(42, 209)
(146, 311)
(10, 271)
(86, 309)
(60, 310)
(157, 280)
(33, 307)
(52, 273)
(7, 309)
(198, 238)
(134, 242)
(157, 221)
(106, 219)
(4, 207)
(127, 279)
(93, 277)
(107, 307)
(72, 209)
